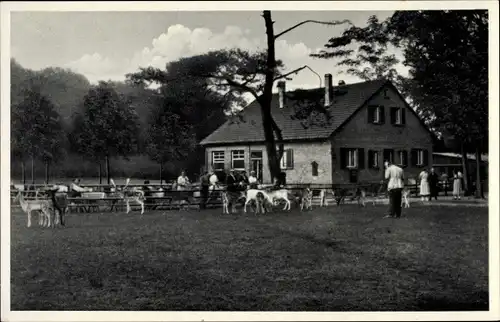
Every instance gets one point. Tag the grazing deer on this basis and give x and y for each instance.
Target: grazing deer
(253, 195)
(281, 194)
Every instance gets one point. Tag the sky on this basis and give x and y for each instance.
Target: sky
(107, 45)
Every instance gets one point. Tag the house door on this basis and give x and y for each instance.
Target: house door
(256, 161)
(257, 167)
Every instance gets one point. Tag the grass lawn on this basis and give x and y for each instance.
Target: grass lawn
(333, 259)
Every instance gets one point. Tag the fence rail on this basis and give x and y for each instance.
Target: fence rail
(162, 197)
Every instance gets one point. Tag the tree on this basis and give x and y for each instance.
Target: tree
(36, 130)
(368, 60)
(107, 128)
(237, 72)
(169, 137)
(447, 55)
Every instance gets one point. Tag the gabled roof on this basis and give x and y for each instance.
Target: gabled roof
(346, 101)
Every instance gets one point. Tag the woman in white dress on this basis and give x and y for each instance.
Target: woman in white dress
(424, 185)
(457, 184)
(182, 182)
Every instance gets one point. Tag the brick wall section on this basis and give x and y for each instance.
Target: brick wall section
(358, 133)
(303, 155)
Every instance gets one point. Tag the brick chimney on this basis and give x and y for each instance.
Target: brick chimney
(281, 91)
(328, 90)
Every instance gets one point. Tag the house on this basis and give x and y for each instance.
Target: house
(369, 122)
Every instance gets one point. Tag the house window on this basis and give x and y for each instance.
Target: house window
(389, 155)
(376, 114)
(238, 159)
(373, 159)
(403, 158)
(287, 159)
(352, 158)
(314, 166)
(398, 116)
(218, 160)
(386, 93)
(420, 157)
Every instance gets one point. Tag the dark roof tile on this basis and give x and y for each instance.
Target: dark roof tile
(347, 100)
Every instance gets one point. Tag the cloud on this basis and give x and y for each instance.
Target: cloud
(96, 67)
(179, 41)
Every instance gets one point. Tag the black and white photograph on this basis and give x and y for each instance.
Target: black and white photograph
(253, 161)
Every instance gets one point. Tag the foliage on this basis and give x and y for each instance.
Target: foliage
(108, 126)
(369, 58)
(36, 128)
(447, 54)
(63, 87)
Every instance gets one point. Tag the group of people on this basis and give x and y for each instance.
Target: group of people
(236, 182)
(429, 181)
(429, 184)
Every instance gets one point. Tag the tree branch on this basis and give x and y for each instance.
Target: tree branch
(295, 71)
(330, 23)
(233, 83)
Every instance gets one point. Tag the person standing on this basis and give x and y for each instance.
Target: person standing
(424, 185)
(182, 181)
(252, 180)
(244, 180)
(395, 186)
(433, 184)
(205, 184)
(232, 189)
(457, 184)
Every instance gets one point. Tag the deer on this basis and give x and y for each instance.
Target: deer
(129, 195)
(42, 206)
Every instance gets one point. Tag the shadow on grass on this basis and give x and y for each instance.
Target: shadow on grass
(478, 302)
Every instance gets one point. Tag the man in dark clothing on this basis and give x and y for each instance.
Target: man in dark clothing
(232, 182)
(243, 180)
(205, 184)
(233, 187)
(433, 184)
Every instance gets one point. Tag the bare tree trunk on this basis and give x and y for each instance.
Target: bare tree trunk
(161, 173)
(32, 170)
(465, 166)
(23, 172)
(46, 172)
(479, 187)
(108, 174)
(265, 101)
(100, 172)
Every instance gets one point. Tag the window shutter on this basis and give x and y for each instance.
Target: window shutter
(289, 159)
(382, 114)
(403, 115)
(370, 159)
(414, 157)
(361, 158)
(314, 165)
(343, 158)
(405, 158)
(426, 158)
(371, 114)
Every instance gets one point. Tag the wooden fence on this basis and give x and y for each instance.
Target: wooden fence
(163, 197)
